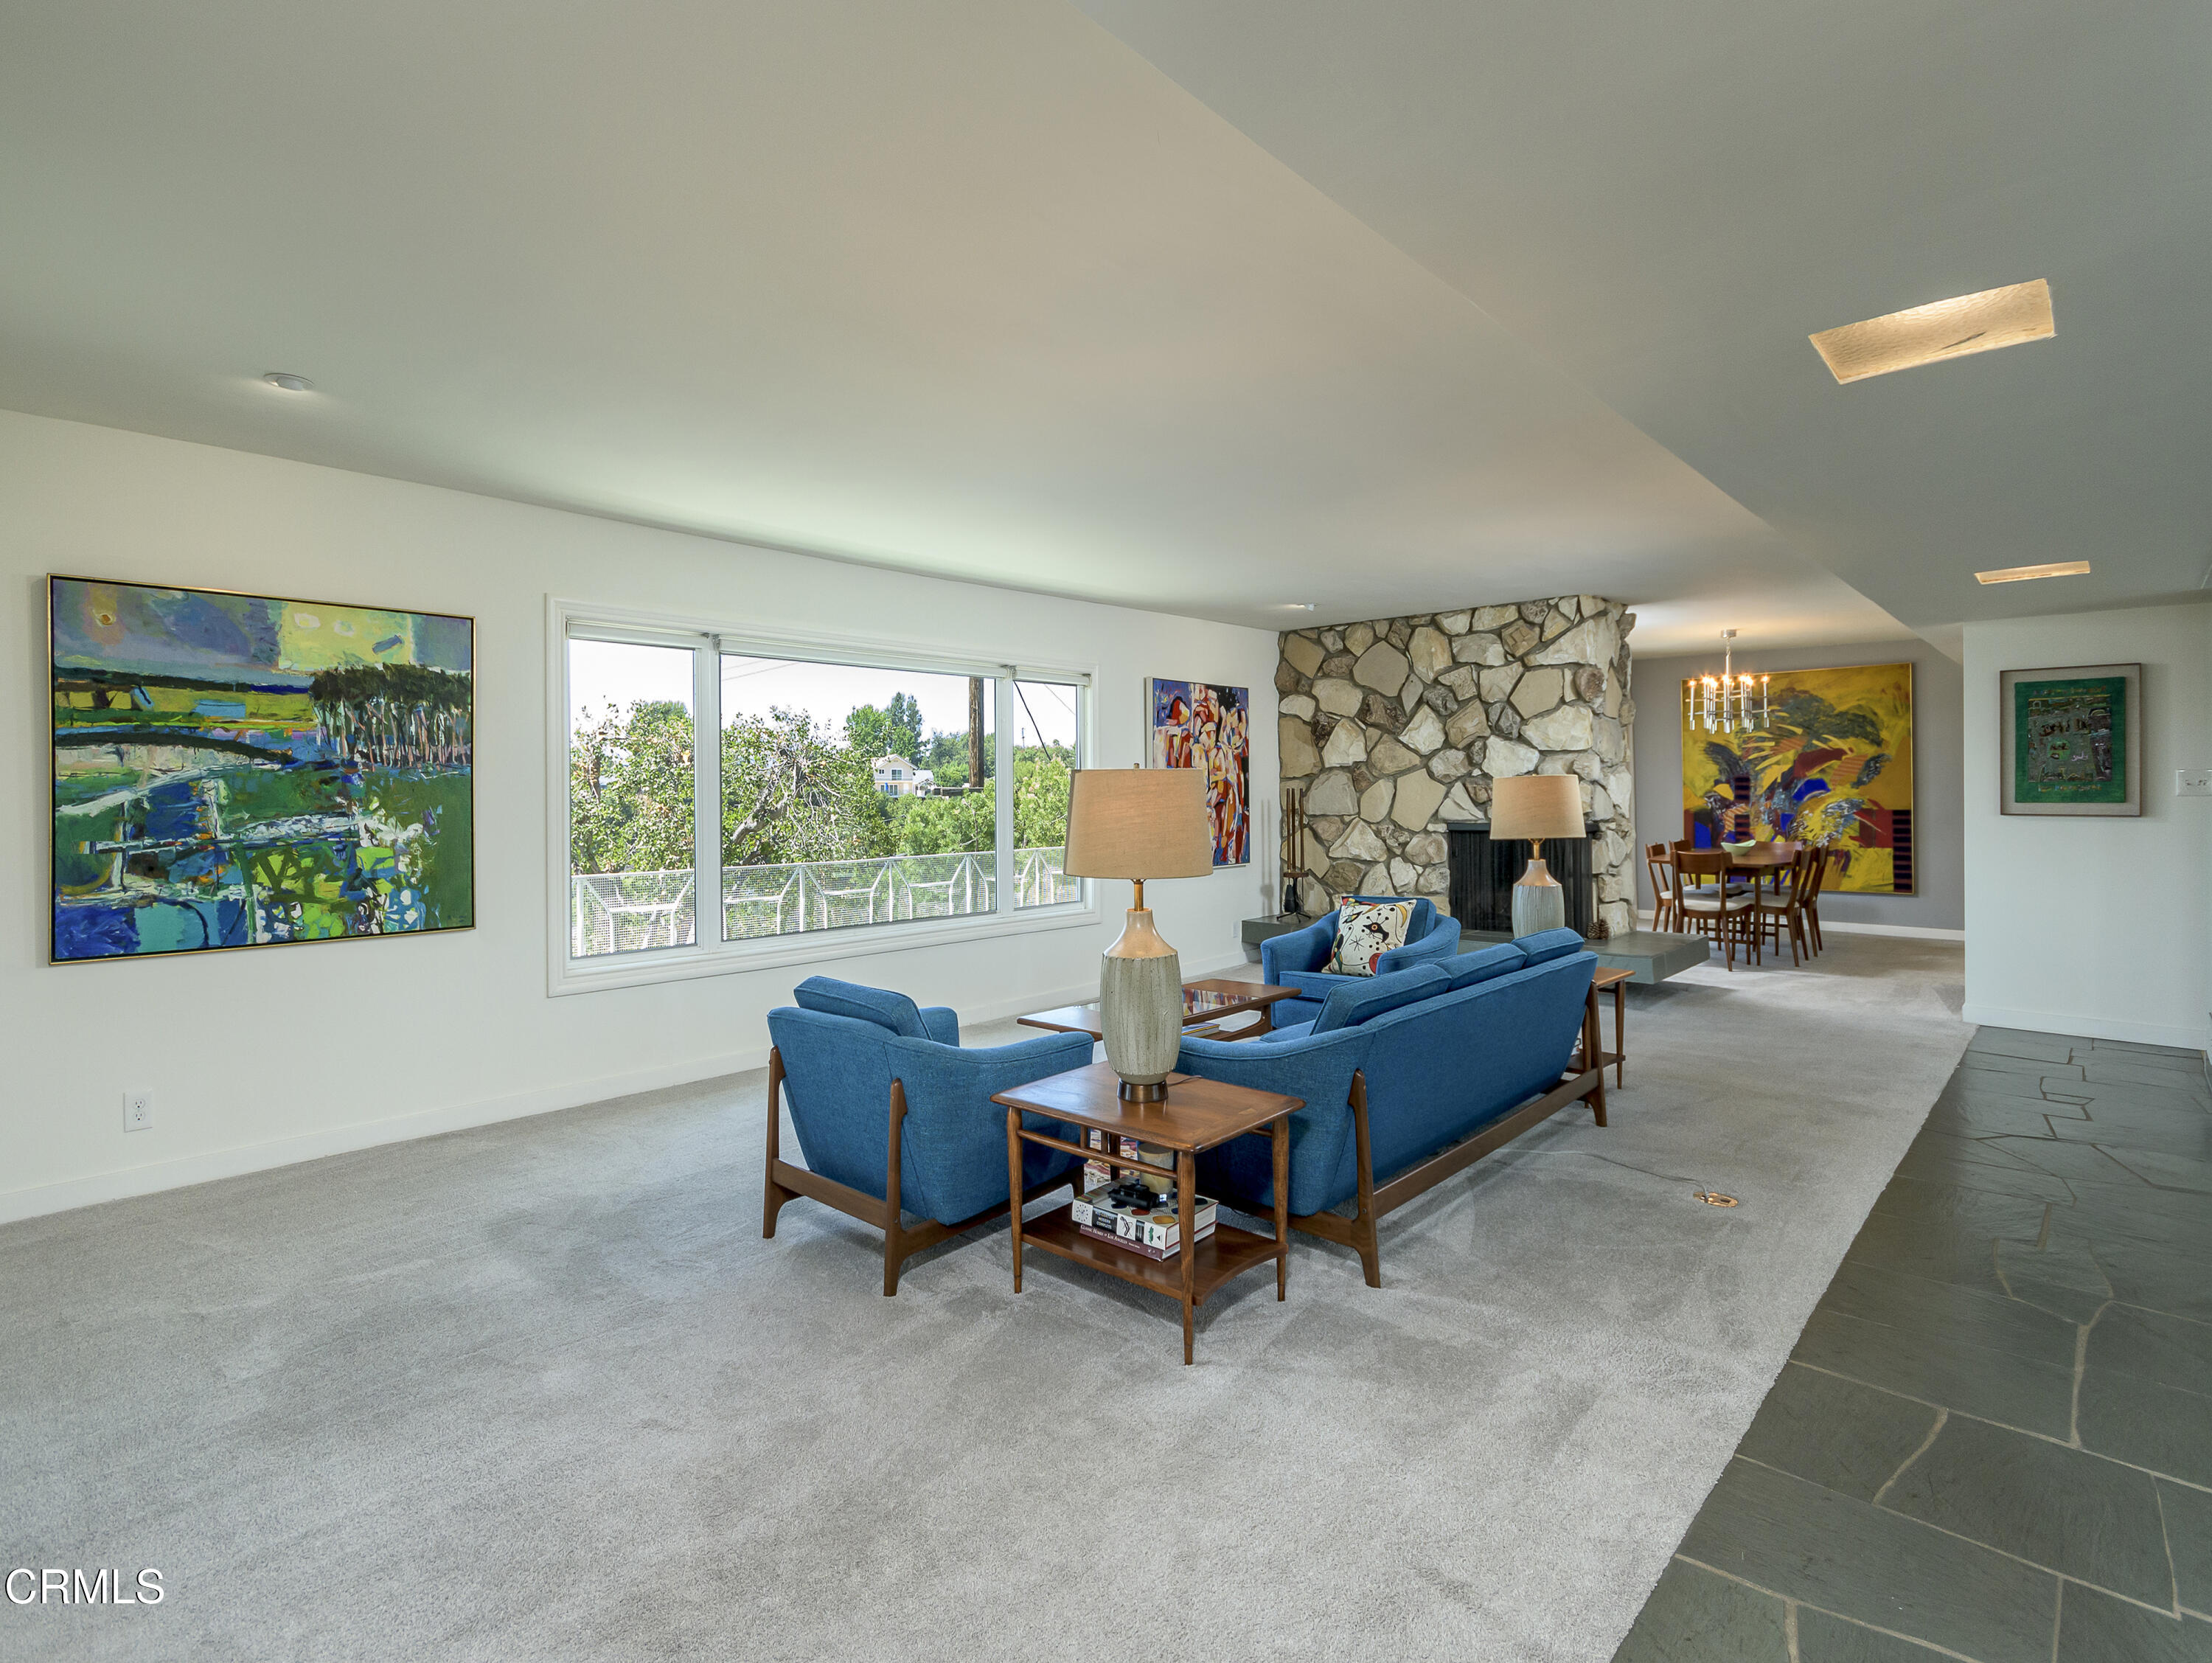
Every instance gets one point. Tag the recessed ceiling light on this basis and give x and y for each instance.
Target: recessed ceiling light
(1956, 328)
(2021, 573)
(285, 381)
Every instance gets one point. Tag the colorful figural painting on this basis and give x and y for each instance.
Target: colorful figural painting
(1198, 724)
(235, 770)
(1832, 765)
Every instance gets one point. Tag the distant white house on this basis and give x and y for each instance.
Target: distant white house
(897, 777)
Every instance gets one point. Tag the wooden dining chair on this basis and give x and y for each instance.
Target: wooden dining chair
(1784, 875)
(1660, 867)
(1823, 859)
(1736, 880)
(1707, 905)
(1787, 908)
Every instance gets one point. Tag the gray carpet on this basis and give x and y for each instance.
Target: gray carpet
(541, 1391)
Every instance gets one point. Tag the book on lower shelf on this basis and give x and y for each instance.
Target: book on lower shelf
(1098, 1174)
(1132, 1218)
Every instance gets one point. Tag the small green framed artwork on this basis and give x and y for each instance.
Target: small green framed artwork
(2072, 740)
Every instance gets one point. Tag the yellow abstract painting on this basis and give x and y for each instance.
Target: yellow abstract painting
(1833, 764)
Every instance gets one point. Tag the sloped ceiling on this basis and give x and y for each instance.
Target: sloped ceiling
(1665, 200)
(1228, 307)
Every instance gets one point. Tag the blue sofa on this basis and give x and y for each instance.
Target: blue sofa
(1409, 1077)
(894, 1118)
(1297, 960)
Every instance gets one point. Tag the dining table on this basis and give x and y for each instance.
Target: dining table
(1761, 861)
(1760, 856)
(1758, 862)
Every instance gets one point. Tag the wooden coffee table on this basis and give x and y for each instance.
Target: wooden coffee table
(1203, 1003)
(1195, 1115)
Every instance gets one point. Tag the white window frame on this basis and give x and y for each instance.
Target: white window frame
(568, 619)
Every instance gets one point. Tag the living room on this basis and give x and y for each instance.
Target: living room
(1300, 462)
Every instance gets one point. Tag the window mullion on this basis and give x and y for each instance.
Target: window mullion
(1086, 714)
(1003, 749)
(707, 796)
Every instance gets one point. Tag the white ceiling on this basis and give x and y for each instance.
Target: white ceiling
(1665, 200)
(974, 289)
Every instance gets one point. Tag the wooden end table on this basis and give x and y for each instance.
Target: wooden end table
(1608, 976)
(1202, 1002)
(1195, 1115)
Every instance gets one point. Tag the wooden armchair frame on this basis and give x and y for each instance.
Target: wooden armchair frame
(787, 1183)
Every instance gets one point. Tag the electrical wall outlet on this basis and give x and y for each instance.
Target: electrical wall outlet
(2192, 782)
(138, 1111)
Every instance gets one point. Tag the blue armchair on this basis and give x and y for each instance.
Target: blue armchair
(894, 1118)
(1297, 960)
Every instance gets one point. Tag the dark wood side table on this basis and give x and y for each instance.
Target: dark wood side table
(1195, 1115)
(1617, 980)
(1202, 1002)
(1592, 1043)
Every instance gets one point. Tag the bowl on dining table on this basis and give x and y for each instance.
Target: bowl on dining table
(1744, 847)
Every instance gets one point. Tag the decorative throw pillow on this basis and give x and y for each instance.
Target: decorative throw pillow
(1365, 930)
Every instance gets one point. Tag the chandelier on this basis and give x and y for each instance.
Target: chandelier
(1728, 703)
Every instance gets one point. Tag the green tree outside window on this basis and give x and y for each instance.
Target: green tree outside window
(791, 792)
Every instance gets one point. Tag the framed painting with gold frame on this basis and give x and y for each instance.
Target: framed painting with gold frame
(1832, 765)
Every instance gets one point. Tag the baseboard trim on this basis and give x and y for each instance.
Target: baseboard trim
(41, 1200)
(243, 1159)
(1911, 932)
(1844, 927)
(2075, 1025)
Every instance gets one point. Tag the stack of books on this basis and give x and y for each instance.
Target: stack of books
(1096, 1173)
(1132, 1217)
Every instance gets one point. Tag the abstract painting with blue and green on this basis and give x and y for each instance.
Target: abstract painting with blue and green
(237, 771)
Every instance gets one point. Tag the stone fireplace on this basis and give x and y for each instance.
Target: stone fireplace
(1394, 729)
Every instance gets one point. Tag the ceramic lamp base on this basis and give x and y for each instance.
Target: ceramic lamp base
(1539, 903)
(1140, 1009)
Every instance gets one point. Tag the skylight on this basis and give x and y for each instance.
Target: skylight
(1956, 328)
(2021, 573)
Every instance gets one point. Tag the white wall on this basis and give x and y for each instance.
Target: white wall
(2090, 925)
(1937, 903)
(259, 1057)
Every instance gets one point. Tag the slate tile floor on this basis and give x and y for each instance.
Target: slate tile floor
(1994, 1439)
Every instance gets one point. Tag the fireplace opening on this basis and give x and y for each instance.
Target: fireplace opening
(1483, 874)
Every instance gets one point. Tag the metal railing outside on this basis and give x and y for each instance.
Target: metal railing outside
(629, 911)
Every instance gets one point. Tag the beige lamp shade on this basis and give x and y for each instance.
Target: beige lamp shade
(1530, 807)
(1138, 823)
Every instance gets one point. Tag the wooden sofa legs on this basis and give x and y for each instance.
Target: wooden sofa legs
(1364, 1236)
(785, 1182)
(1359, 1232)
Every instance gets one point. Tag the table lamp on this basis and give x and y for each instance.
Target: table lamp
(1140, 823)
(1536, 806)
